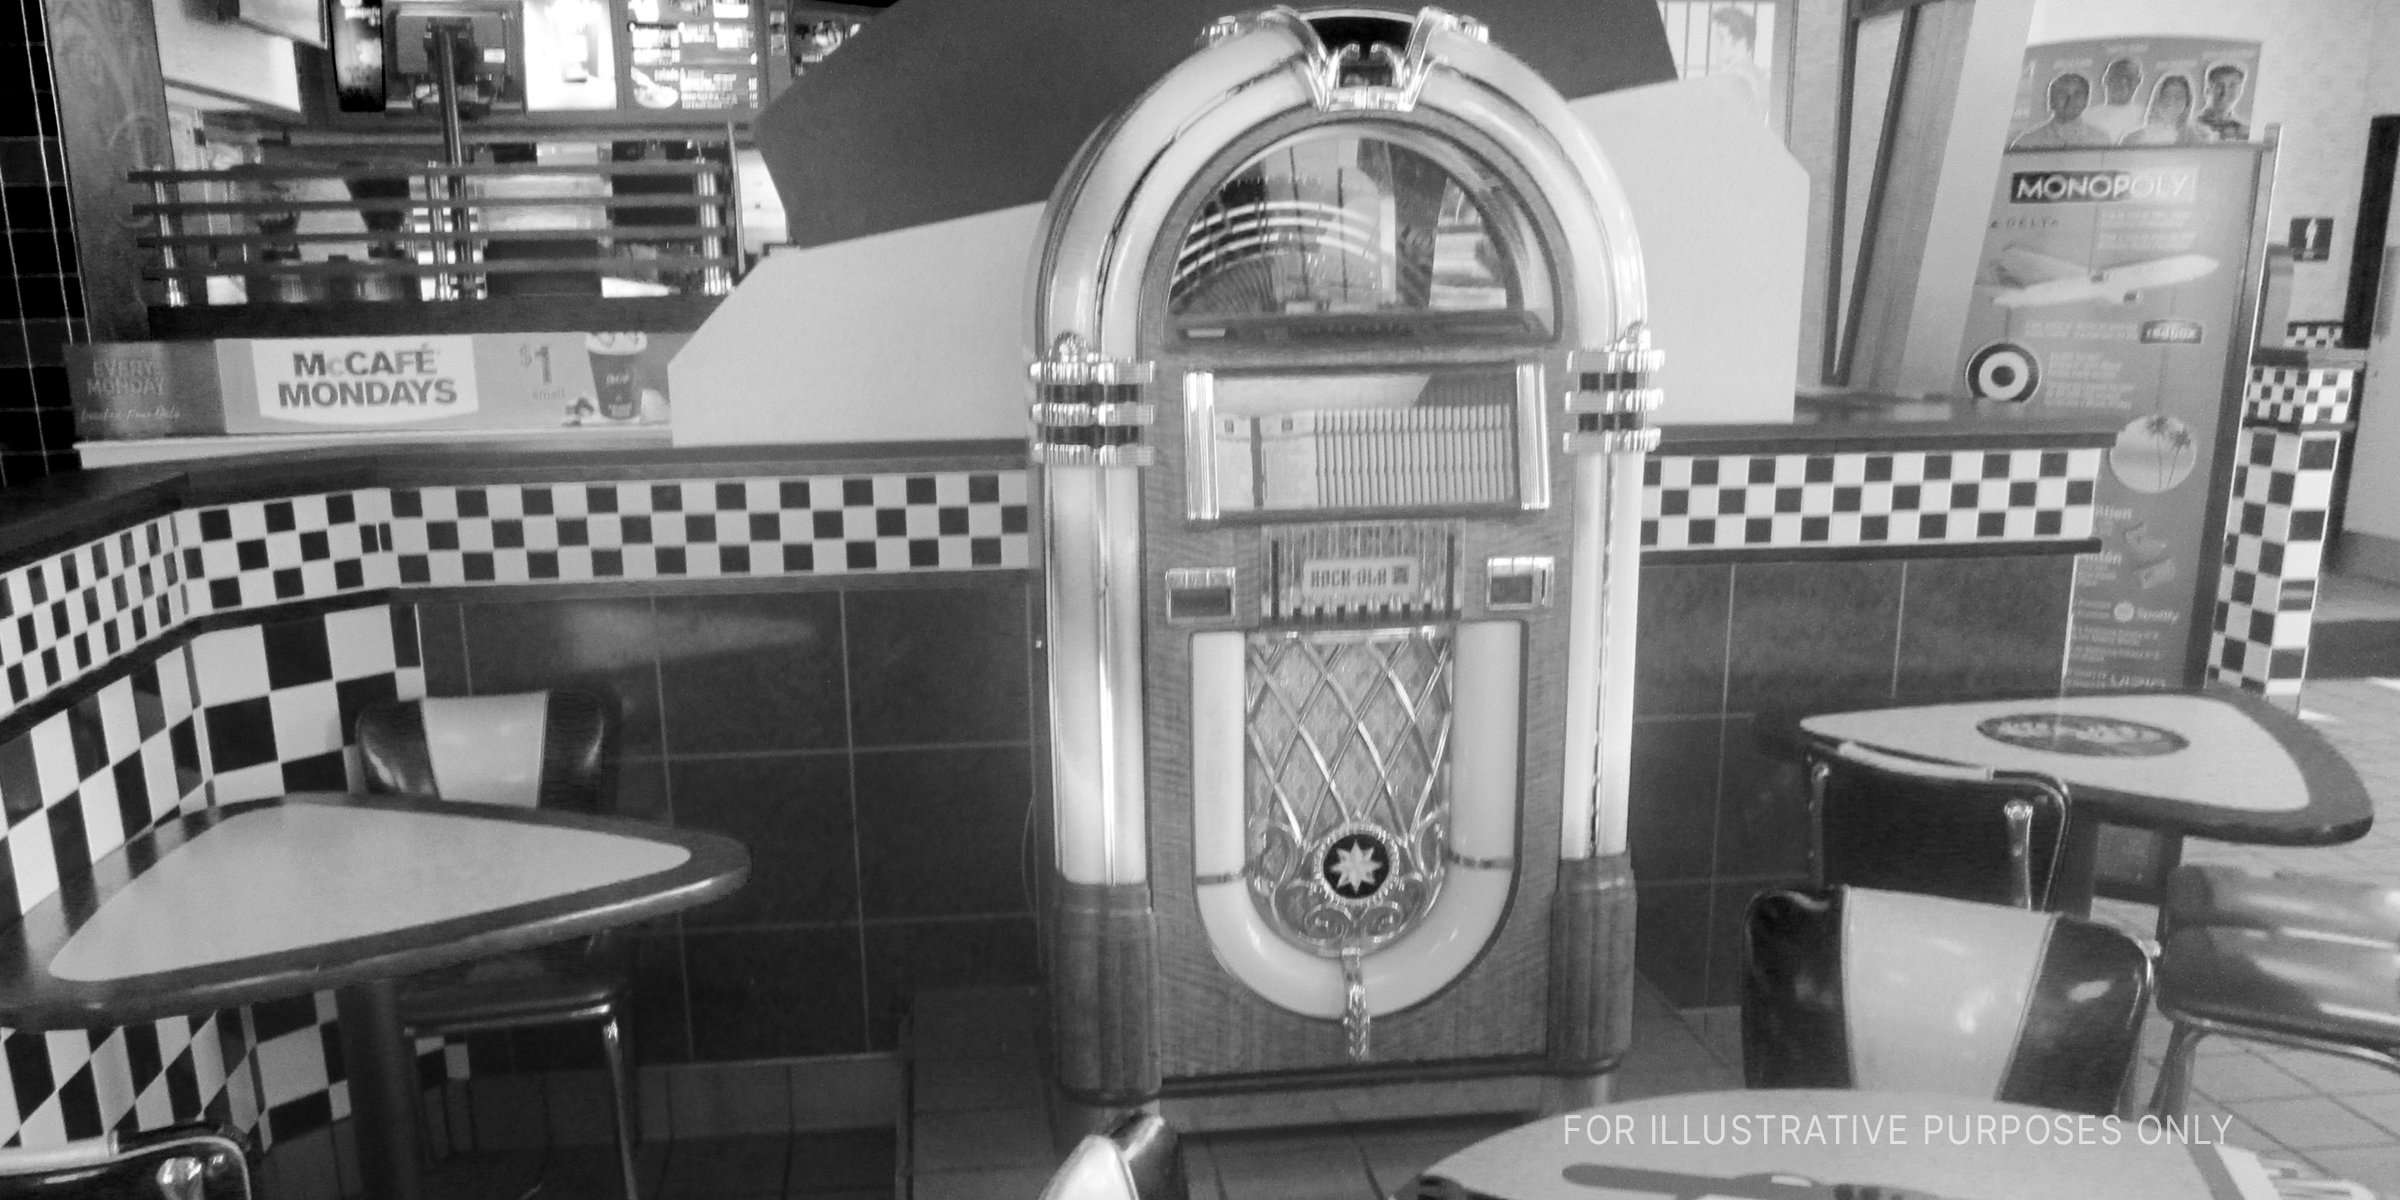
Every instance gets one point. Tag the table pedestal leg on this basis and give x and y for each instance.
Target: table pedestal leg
(382, 1067)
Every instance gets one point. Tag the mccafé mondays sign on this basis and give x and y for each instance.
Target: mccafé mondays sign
(486, 381)
(365, 381)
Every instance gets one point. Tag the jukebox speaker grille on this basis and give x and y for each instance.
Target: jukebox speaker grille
(1348, 797)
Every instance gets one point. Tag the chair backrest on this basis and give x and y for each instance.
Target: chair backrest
(1892, 991)
(1140, 1159)
(186, 1162)
(1913, 825)
(535, 749)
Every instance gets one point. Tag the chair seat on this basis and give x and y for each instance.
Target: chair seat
(528, 986)
(2199, 896)
(2339, 989)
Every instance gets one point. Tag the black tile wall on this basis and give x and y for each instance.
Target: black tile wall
(871, 745)
(781, 653)
(1984, 626)
(776, 993)
(794, 811)
(1715, 817)
(1812, 635)
(935, 666)
(41, 309)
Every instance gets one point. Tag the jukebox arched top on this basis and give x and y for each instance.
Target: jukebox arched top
(1326, 120)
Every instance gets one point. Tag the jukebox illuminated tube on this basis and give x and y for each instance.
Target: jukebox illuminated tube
(1610, 393)
(1095, 663)
(1089, 418)
(1607, 562)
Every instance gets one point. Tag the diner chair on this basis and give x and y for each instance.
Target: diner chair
(2300, 961)
(180, 1162)
(1851, 987)
(531, 749)
(1899, 823)
(1139, 1159)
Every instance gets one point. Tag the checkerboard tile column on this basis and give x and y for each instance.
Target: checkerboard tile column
(2274, 551)
(2295, 397)
(68, 614)
(1916, 497)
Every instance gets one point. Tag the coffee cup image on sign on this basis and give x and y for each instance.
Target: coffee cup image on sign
(2154, 453)
(2027, 278)
(617, 372)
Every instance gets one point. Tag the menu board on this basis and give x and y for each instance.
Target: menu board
(692, 55)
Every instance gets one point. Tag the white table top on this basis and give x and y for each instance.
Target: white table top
(2225, 760)
(310, 875)
(268, 898)
(1945, 1147)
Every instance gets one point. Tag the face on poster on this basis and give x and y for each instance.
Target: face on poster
(2150, 91)
(2110, 282)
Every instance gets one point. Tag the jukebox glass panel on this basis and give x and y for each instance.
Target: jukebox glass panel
(1365, 440)
(1348, 234)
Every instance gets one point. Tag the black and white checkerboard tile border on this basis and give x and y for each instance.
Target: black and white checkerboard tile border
(265, 552)
(819, 525)
(2274, 553)
(67, 614)
(2293, 396)
(2312, 334)
(1912, 497)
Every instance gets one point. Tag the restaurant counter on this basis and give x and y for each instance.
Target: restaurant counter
(826, 651)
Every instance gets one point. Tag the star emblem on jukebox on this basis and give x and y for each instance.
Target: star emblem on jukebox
(1355, 864)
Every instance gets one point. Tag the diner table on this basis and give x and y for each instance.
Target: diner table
(2212, 762)
(1802, 1144)
(263, 899)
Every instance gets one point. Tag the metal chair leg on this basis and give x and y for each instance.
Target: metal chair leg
(2175, 1070)
(620, 1092)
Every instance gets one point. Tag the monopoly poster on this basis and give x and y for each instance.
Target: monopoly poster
(2111, 281)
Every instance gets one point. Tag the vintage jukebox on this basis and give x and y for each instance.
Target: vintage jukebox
(1339, 412)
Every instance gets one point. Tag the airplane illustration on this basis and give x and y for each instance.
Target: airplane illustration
(2032, 279)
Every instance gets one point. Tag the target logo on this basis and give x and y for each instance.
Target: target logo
(2003, 371)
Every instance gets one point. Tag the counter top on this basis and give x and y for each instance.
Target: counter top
(1855, 421)
(2309, 358)
(63, 509)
